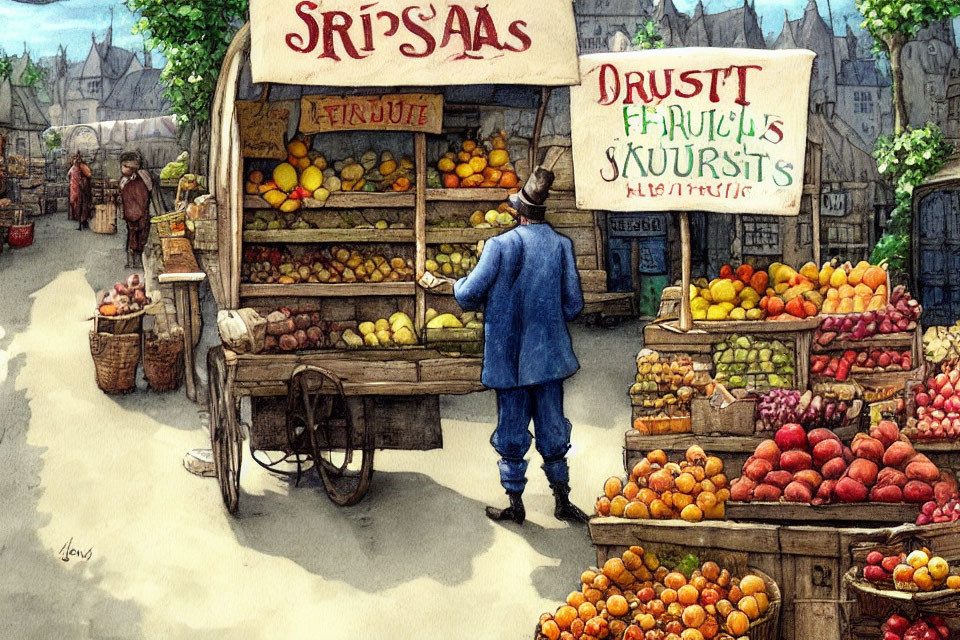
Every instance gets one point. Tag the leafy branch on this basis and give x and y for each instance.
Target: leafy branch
(648, 36)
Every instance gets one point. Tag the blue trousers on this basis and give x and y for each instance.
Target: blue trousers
(515, 407)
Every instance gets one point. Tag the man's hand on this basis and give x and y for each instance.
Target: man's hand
(431, 282)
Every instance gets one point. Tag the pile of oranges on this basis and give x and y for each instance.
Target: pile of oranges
(692, 489)
(634, 597)
(474, 166)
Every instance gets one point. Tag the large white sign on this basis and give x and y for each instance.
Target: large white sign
(413, 42)
(696, 129)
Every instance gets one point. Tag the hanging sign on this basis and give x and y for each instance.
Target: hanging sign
(406, 112)
(263, 128)
(413, 42)
(698, 129)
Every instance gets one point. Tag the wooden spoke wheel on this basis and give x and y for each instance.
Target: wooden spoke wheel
(342, 450)
(225, 437)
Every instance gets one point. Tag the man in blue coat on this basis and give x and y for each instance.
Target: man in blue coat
(527, 285)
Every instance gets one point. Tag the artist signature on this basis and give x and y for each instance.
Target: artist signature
(67, 551)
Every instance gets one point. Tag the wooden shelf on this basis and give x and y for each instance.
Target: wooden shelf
(286, 236)
(467, 195)
(682, 441)
(453, 235)
(386, 200)
(778, 512)
(346, 200)
(312, 290)
(902, 339)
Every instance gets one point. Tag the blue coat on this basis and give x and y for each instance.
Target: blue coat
(527, 285)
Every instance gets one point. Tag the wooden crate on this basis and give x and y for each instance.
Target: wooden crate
(735, 419)
(893, 514)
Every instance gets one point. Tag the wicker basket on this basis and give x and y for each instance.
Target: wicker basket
(20, 235)
(129, 323)
(170, 225)
(115, 357)
(163, 361)
(767, 627)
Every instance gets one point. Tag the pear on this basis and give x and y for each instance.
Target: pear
(431, 314)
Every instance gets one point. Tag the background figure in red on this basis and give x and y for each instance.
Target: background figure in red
(135, 187)
(81, 193)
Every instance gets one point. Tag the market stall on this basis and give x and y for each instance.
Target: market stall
(765, 409)
(340, 211)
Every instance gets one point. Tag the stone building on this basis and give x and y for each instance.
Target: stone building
(927, 61)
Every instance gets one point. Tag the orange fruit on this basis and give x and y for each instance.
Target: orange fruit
(691, 634)
(612, 487)
(592, 595)
(938, 568)
(734, 594)
(587, 576)
(737, 623)
(748, 604)
(492, 174)
(953, 582)
(710, 571)
(618, 606)
(692, 513)
(637, 511)
(646, 621)
(586, 611)
(698, 581)
(617, 506)
(706, 500)
(575, 599)
(724, 607)
(464, 156)
(719, 480)
(668, 596)
(709, 628)
(657, 456)
(656, 608)
(601, 583)
(613, 567)
(674, 580)
(694, 616)
(682, 500)
(630, 490)
(451, 181)
(576, 629)
(685, 483)
(550, 630)
(647, 496)
(464, 170)
(688, 595)
(256, 177)
(713, 466)
(923, 579)
(707, 485)
(469, 146)
(565, 616)
(446, 165)
(751, 584)
(603, 506)
(763, 602)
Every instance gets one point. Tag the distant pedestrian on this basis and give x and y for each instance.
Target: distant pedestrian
(135, 187)
(81, 192)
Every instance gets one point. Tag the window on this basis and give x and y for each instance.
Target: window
(93, 86)
(82, 115)
(22, 147)
(862, 102)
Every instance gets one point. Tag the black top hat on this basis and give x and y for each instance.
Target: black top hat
(529, 201)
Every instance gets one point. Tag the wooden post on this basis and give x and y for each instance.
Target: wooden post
(686, 316)
(818, 186)
(538, 128)
(420, 226)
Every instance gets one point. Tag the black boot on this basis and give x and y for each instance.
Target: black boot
(80, 226)
(566, 510)
(514, 512)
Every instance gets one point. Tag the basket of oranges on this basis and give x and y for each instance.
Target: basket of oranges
(925, 581)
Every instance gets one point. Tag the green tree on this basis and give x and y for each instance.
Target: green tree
(6, 65)
(893, 23)
(33, 75)
(648, 36)
(193, 35)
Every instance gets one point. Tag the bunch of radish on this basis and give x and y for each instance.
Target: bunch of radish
(840, 367)
(937, 403)
(901, 314)
(935, 513)
(926, 628)
(817, 468)
(783, 406)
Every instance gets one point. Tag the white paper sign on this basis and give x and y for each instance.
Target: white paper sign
(413, 42)
(697, 129)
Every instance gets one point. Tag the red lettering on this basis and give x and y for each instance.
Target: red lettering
(394, 22)
(714, 95)
(294, 40)
(611, 158)
(516, 30)
(331, 113)
(463, 29)
(431, 44)
(356, 114)
(331, 27)
(606, 99)
(396, 114)
(635, 86)
(367, 20)
(742, 77)
(485, 33)
(376, 117)
(686, 78)
(774, 128)
(668, 79)
(422, 120)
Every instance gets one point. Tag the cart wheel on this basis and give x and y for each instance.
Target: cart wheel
(225, 438)
(342, 452)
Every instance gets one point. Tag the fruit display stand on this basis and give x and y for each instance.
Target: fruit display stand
(330, 400)
(807, 562)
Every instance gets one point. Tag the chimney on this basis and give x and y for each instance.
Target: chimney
(147, 58)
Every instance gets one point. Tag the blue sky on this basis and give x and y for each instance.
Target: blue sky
(70, 22)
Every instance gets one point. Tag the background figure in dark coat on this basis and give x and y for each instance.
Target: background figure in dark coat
(81, 193)
(526, 282)
(135, 188)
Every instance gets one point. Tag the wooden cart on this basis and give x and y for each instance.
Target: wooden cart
(332, 407)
